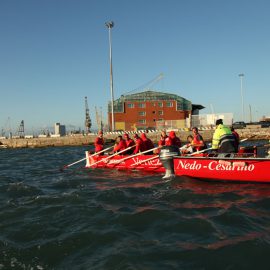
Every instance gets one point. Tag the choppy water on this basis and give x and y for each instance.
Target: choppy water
(102, 219)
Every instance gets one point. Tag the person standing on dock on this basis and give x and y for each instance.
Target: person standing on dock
(99, 142)
(223, 139)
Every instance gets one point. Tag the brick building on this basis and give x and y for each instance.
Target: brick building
(151, 110)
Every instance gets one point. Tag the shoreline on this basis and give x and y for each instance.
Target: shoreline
(80, 140)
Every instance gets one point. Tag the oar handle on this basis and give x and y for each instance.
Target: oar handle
(78, 161)
(97, 153)
(199, 152)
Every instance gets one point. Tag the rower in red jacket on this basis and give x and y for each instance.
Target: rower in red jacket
(172, 140)
(129, 142)
(197, 143)
(139, 144)
(148, 144)
(119, 145)
(99, 142)
(163, 137)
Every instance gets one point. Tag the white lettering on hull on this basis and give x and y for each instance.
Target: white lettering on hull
(138, 161)
(220, 165)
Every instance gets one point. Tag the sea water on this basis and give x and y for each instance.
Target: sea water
(80, 218)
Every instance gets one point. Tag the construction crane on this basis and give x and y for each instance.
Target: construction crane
(7, 128)
(99, 118)
(88, 123)
(147, 86)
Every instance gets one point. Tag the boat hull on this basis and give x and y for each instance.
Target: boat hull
(224, 169)
(123, 162)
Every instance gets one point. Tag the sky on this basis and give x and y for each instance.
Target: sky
(53, 53)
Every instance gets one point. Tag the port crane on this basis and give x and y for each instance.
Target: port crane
(99, 118)
(21, 129)
(88, 122)
(147, 86)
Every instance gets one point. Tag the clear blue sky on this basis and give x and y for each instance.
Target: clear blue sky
(53, 53)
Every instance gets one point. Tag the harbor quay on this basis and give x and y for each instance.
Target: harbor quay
(80, 140)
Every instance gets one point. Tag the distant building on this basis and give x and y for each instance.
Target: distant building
(59, 129)
(152, 110)
(207, 120)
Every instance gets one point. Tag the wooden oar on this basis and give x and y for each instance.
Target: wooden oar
(105, 159)
(207, 149)
(78, 161)
(199, 152)
(142, 161)
(138, 154)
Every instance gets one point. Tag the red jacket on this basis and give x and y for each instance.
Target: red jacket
(148, 144)
(120, 146)
(130, 142)
(172, 140)
(139, 146)
(198, 140)
(162, 140)
(99, 144)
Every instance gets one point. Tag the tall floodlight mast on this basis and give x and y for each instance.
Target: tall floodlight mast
(242, 96)
(88, 123)
(110, 25)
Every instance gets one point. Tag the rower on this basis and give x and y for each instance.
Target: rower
(120, 144)
(188, 148)
(139, 144)
(223, 139)
(148, 144)
(129, 142)
(197, 143)
(172, 140)
(99, 143)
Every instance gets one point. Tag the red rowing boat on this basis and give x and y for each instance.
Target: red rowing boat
(222, 167)
(231, 167)
(124, 162)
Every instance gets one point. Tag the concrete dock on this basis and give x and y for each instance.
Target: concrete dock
(77, 140)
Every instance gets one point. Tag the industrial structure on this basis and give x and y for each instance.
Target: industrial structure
(99, 120)
(152, 110)
(87, 122)
(21, 129)
(59, 130)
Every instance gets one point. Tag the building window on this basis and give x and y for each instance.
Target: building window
(153, 112)
(160, 104)
(142, 113)
(160, 119)
(154, 104)
(130, 105)
(160, 112)
(142, 121)
(169, 104)
(141, 105)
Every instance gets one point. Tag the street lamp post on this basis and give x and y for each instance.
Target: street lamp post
(242, 97)
(110, 25)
